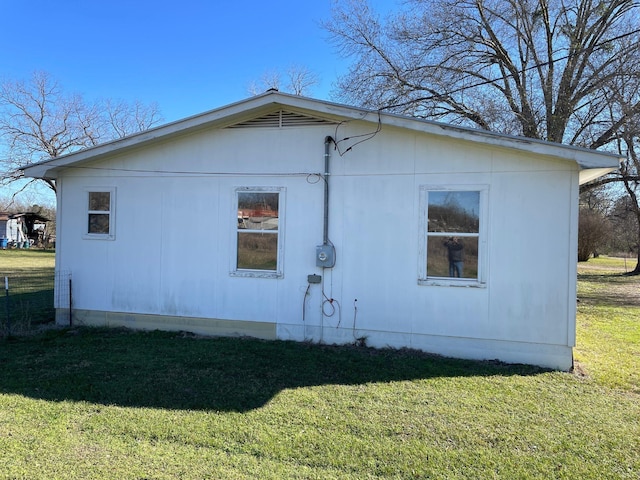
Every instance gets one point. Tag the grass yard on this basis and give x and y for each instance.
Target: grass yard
(115, 404)
(30, 275)
(27, 261)
(608, 330)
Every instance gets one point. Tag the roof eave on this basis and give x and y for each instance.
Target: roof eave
(589, 174)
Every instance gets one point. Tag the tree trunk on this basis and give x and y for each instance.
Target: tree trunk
(630, 186)
(636, 271)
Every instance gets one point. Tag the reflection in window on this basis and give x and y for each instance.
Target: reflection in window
(453, 224)
(454, 212)
(443, 261)
(258, 223)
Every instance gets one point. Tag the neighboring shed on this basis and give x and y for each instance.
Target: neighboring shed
(283, 217)
(21, 229)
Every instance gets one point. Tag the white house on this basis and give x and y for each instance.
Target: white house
(283, 217)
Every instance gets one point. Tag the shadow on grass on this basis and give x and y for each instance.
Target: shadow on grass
(22, 311)
(611, 290)
(180, 371)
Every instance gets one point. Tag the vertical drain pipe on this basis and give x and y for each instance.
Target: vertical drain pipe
(327, 157)
(325, 253)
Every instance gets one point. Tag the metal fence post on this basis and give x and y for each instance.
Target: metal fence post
(6, 290)
(70, 304)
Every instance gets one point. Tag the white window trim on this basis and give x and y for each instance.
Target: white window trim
(112, 213)
(242, 272)
(423, 278)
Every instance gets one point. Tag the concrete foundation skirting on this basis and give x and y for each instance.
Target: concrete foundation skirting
(559, 357)
(200, 326)
(550, 356)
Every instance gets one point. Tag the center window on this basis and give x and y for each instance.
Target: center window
(258, 239)
(451, 240)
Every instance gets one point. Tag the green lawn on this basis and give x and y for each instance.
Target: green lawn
(115, 404)
(608, 323)
(26, 261)
(30, 275)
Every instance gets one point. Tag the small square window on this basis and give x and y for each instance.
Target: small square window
(100, 212)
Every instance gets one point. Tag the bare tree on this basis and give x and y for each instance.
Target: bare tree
(125, 118)
(623, 132)
(624, 220)
(594, 226)
(298, 80)
(38, 121)
(566, 71)
(538, 68)
(270, 80)
(593, 233)
(629, 175)
(599, 199)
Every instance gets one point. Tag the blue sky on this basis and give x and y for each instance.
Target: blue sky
(189, 56)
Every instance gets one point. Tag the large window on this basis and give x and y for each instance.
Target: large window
(100, 213)
(451, 239)
(258, 236)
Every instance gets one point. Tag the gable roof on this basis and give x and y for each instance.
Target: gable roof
(274, 108)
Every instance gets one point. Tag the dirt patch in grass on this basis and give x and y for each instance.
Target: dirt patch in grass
(607, 289)
(606, 282)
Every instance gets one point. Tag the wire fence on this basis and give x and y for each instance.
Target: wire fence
(28, 301)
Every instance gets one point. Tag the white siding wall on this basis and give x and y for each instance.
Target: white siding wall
(174, 240)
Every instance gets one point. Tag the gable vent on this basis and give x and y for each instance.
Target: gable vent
(282, 119)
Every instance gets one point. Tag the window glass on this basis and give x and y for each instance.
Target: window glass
(258, 210)
(452, 256)
(99, 201)
(258, 224)
(98, 223)
(450, 235)
(99, 213)
(454, 212)
(257, 251)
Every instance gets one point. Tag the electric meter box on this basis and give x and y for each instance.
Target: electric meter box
(325, 256)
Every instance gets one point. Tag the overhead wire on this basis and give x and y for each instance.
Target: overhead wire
(364, 136)
(196, 173)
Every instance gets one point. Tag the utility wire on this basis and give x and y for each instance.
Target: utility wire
(196, 173)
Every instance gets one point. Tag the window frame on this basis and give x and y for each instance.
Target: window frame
(423, 275)
(111, 235)
(258, 273)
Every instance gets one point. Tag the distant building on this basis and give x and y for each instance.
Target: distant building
(22, 229)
